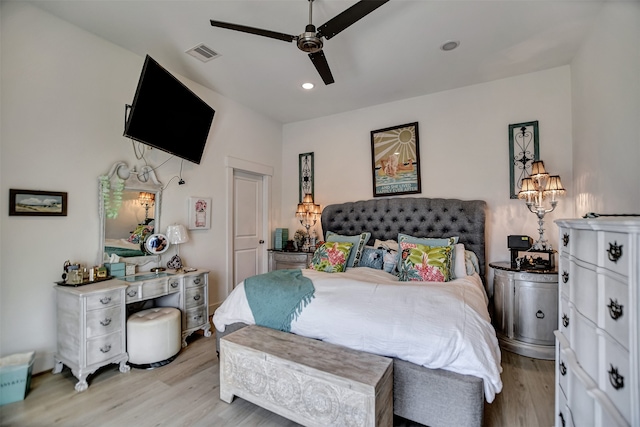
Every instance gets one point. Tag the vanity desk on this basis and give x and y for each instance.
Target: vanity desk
(91, 319)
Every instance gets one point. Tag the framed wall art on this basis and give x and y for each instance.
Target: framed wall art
(305, 167)
(199, 213)
(37, 203)
(523, 150)
(395, 159)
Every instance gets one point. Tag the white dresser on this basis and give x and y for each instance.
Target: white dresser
(598, 343)
(92, 318)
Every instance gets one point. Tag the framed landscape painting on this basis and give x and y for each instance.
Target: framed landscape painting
(37, 203)
(395, 159)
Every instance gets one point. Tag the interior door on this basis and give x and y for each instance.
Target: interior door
(248, 240)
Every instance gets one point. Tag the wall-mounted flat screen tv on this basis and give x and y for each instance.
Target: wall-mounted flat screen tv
(167, 115)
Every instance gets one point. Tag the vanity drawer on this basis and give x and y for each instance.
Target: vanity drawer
(195, 317)
(133, 293)
(194, 297)
(191, 281)
(104, 299)
(102, 348)
(154, 288)
(174, 284)
(102, 322)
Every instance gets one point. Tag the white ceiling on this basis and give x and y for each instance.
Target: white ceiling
(391, 54)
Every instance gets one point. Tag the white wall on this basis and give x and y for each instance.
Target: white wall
(605, 77)
(63, 97)
(464, 149)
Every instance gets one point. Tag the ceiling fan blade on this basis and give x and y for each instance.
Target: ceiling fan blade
(349, 17)
(252, 30)
(321, 64)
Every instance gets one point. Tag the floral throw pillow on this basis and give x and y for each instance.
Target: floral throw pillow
(331, 257)
(421, 263)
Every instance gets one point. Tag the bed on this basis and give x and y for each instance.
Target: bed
(444, 384)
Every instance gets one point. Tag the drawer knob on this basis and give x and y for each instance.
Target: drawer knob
(615, 309)
(616, 380)
(105, 300)
(615, 251)
(196, 297)
(106, 348)
(565, 320)
(196, 281)
(565, 277)
(540, 314)
(105, 322)
(563, 368)
(565, 242)
(132, 293)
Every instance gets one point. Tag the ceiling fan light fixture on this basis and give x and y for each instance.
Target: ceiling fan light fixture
(449, 45)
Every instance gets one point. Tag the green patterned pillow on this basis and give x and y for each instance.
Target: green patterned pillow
(331, 257)
(421, 263)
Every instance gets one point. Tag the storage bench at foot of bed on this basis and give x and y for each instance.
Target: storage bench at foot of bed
(308, 381)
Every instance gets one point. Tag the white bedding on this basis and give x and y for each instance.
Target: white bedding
(436, 325)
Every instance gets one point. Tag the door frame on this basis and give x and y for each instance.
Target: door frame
(233, 164)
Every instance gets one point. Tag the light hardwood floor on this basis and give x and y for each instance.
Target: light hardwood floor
(186, 393)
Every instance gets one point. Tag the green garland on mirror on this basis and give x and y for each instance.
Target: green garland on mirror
(112, 197)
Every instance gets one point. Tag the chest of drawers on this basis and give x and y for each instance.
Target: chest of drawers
(597, 355)
(91, 329)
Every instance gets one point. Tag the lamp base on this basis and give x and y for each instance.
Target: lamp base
(157, 269)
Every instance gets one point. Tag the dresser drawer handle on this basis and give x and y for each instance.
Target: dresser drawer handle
(563, 368)
(105, 300)
(615, 251)
(105, 322)
(106, 348)
(565, 320)
(174, 284)
(565, 242)
(196, 297)
(565, 277)
(196, 281)
(562, 419)
(132, 293)
(615, 309)
(198, 317)
(616, 380)
(540, 314)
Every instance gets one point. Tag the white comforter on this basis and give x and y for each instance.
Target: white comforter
(436, 325)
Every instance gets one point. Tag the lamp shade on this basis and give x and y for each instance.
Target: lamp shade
(177, 234)
(554, 187)
(537, 168)
(528, 189)
(146, 198)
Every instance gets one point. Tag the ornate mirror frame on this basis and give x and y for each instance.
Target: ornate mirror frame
(134, 180)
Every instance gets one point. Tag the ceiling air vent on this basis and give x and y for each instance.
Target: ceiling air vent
(203, 52)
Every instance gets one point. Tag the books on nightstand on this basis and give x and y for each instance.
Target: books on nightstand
(280, 238)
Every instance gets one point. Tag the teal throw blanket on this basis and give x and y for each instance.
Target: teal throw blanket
(277, 298)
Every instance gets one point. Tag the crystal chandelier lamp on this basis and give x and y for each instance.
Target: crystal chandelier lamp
(540, 191)
(308, 213)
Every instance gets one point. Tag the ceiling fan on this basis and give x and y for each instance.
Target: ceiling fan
(311, 40)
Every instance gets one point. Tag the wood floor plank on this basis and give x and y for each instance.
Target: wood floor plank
(186, 393)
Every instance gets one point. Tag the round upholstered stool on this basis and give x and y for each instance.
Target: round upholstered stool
(153, 337)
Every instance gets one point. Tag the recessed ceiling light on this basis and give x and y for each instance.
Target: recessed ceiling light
(307, 86)
(450, 45)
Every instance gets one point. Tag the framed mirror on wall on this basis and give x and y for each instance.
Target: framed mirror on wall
(129, 208)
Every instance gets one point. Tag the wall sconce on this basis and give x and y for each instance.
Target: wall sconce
(537, 187)
(308, 213)
(177, 235)
(146, 200)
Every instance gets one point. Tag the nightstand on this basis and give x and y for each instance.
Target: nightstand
(281, 260)
(525, 310)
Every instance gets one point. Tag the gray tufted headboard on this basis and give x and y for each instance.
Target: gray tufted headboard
(420, 217)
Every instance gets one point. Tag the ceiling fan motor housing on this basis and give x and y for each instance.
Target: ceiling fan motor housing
(309, 41)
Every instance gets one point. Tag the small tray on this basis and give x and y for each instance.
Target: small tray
(86, 282)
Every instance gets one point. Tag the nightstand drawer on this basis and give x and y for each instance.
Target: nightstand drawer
(289, 260)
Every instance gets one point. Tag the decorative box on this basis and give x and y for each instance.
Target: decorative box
(129, 269)
(115, 269)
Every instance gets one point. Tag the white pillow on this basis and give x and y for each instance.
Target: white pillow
(459, 267)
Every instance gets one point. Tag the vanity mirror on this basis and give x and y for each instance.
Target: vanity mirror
(129, 206)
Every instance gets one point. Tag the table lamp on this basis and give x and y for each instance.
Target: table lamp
(177, 235)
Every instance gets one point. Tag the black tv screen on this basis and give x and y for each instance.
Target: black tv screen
(167, 115)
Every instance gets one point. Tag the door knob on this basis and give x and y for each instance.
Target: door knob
(261, 242)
